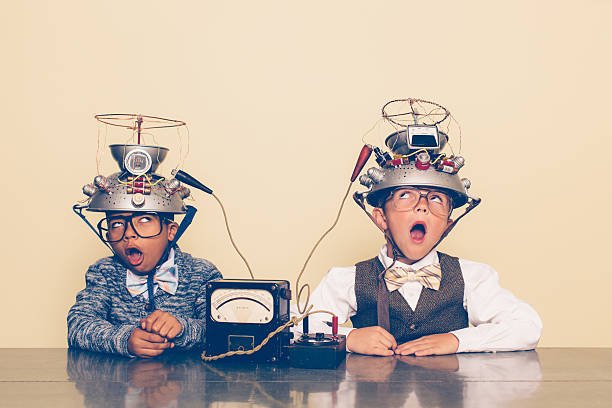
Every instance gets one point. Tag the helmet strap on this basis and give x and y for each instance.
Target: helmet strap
(186, 222)
(78, 210)
(396, 251)
(191, 211)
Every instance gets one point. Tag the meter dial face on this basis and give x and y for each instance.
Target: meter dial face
(242, 306)
(137, 162)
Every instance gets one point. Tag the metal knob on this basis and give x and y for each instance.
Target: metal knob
(376, 175)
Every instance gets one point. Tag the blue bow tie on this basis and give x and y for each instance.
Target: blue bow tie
(166, 278)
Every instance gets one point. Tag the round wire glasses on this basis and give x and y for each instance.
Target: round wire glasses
(406, 199)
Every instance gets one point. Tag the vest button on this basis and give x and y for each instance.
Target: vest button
(412, 326)
(148, 307)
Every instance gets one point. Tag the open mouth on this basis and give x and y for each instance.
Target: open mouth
(134, 255)
(418, 231)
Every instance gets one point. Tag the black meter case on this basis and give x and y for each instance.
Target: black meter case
(241, 314)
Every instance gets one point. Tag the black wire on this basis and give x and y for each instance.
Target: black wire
(150, 287)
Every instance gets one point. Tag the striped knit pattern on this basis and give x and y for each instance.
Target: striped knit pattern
(105, 313)
(428, 276)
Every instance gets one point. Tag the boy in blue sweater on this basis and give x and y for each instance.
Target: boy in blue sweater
(149, 296)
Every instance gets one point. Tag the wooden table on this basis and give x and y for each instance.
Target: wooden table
(548, 377)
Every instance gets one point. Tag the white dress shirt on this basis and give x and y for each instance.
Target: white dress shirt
(498, 320)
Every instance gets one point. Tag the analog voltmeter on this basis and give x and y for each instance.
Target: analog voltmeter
(241, 314)
(241, 305)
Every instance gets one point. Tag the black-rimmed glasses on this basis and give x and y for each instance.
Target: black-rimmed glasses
(145, 225)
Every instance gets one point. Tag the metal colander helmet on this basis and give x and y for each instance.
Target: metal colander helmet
(417, 163)
(136, 188)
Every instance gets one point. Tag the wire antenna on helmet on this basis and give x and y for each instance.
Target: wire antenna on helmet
(138, 187)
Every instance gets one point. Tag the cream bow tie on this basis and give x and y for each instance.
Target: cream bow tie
(428, 276)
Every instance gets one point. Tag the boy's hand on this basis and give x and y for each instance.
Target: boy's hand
(444, 343)
(371, 340)
(162, 323)
(145, 344)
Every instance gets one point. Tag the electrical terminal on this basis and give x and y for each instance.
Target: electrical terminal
(89, 189)
(102, 183)
(377, 175)
(364, 179)
(184, 192)
(381, 157)
(459, 162)
(422, 161)
(447, 165)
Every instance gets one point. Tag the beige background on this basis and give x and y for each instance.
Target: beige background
(277, 95)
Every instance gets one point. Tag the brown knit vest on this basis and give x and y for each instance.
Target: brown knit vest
(437, 311)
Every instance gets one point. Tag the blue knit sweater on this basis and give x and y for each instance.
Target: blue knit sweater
(105, 313)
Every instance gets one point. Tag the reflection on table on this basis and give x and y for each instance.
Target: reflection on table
(464, 380)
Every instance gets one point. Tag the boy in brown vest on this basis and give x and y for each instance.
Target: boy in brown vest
(411, 299)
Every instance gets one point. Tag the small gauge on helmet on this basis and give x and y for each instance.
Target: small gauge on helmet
(138, 162)
(423, 136)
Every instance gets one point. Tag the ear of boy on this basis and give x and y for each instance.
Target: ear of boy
(379, 217)
(172, 229)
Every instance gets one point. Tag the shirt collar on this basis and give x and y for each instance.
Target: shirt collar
(430, 258)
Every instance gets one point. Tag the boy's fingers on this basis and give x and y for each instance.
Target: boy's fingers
(426, 352)
(414, 345)
(148, 349)
(146, 324)
(168, 328)
(416, 348)
(406, 349)
(164, 329)
(155, 346)
(174, 331)
(159, 323)
(151, 319)
(381, 351)
(385, 342)
(153, 338)
(387, 336)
